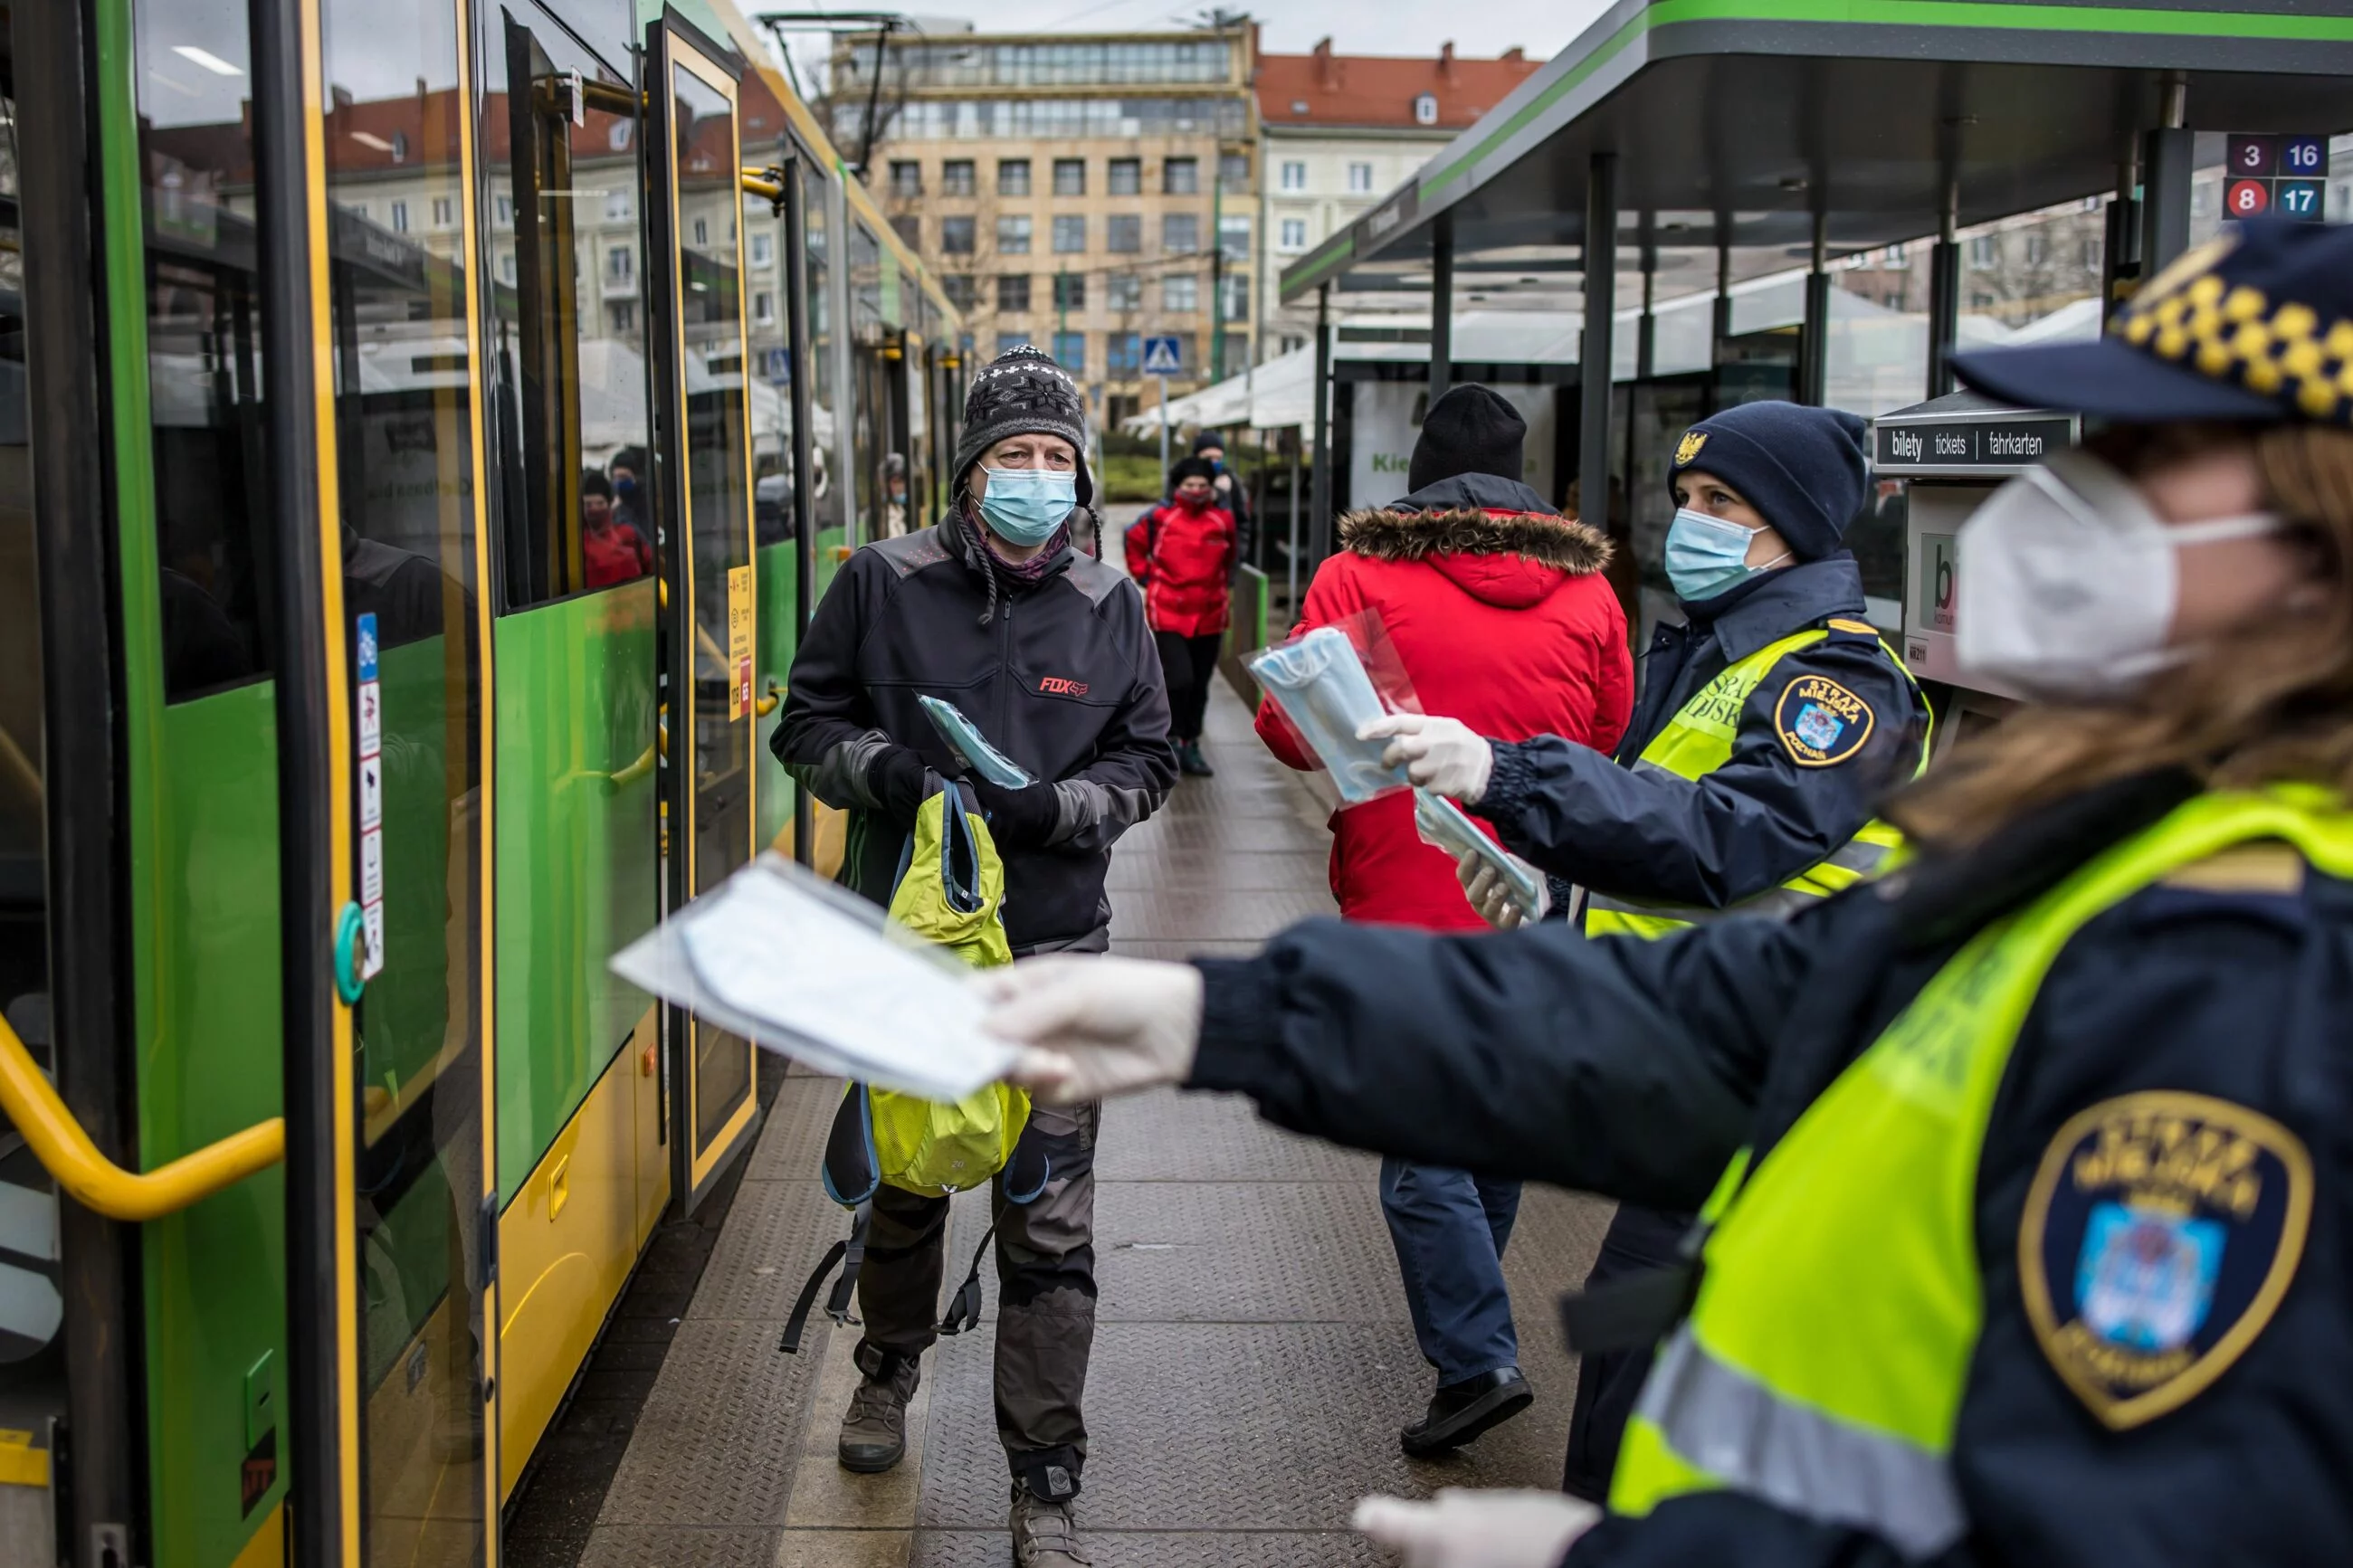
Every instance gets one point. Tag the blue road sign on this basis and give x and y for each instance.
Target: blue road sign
(366, 640)
(778, 366)
(1161, 357)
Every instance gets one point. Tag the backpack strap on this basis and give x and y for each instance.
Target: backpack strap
(851, 1254)
(963, 1308)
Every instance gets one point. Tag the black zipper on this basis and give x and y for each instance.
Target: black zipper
(1002, 714)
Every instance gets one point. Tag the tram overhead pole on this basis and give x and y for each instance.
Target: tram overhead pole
(1814, 339)
(2168, 155)
(1595, 353)
(1441, 306)
(1320, 525)
(1945, 294)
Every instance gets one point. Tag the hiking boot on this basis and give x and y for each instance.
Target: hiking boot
(1460, 1411)
(1189, 760)
(874, 1432)
(1043, 1534)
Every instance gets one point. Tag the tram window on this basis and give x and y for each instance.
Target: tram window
(825, 495)
(204, 348)
(23, 841)
(567, 339)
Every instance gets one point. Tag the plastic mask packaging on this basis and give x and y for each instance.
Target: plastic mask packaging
(1442, 822)
(1026, 505)
(1321, 686)
(971, 747)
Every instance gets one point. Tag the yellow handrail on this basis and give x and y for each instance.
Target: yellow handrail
(98, 1183)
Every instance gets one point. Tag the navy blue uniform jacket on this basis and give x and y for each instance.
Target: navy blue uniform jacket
(1636, 1068)
(1762, 817)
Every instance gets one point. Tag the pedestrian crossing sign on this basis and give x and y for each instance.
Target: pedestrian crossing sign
(1161, 358)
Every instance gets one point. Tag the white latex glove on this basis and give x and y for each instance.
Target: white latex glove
(1095, 1027)
(1444, 756)
(1490, 895)
(1460, 1527)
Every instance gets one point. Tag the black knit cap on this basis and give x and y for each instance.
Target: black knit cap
(1211, 441)
(1469, 430)
(1804, 469)
(1184, 468)
(1022, 392)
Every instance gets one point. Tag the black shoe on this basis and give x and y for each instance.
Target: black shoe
(1189, 760)
(1460, 1411)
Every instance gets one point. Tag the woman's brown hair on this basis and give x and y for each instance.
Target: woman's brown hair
(2273, 703)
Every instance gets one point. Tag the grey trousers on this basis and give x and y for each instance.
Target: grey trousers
(1046, 1297)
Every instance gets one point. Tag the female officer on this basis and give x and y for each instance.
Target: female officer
(2027, 1234)
(1771, 723)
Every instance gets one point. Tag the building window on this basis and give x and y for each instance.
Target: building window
(1294, 234)
(617, 205)
(702, 232)
(1980, 301)
(1013, 176)
(1233, 172)
(621, 263)
(623, 316)
(1013, 236)
(1984, 250)
(1233, 239)
(1126, 176)
(910, 230)
(1123, 353)
(1071, 351)
(956, 177)
(1180, 176)
(958, 287)
(507, 267)
(400, 217)
(1013, 291)
(1125, 291)
(1070, 235)
(1007, 342)
(506, 212)
(1180, 292)
(1425, 110)
(956, 236)
(1069, 177)
(1295, 175)
(2038, 248)
(764, 249)
(764, 308)
(1180, 233)
(1360, 179)
(1070, 290)
(1896, 257)
(441, 212)
(1235, 305)
(906, 177)
(1293, 342)
(2094, 257)
(1124, 233)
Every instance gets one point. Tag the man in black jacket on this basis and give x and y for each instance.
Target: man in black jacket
(1046, 652)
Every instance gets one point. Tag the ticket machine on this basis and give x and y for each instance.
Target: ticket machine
(1953, 452)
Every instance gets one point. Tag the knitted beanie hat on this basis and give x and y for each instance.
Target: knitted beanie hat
(1022, 392)
(1469, 430)
(1806, 470)
(1184, 468)
(1209, 440)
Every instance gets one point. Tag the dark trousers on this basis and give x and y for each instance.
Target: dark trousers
(1188, 664)
(1450, 1229)
(1046, 1292)
(1609, 1384)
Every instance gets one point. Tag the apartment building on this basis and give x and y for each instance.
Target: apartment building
(1080, 192)
(1338, 132)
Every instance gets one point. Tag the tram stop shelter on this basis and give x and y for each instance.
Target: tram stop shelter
(1723, 142)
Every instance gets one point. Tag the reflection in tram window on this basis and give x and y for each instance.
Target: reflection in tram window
(825, 495)
(404, 412)
(613, 550)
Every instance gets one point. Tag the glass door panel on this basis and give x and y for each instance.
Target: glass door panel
(712, 646)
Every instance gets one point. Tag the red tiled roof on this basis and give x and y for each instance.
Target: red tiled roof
(1380, 90)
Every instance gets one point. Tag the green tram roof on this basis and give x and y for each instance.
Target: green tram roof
(1734, 120)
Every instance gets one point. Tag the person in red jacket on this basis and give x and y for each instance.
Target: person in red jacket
(1182, 553)
(1497, 606)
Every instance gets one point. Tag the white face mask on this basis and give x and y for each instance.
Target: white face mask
(2068, 581)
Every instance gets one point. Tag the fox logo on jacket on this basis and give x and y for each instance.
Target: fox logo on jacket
(1060, 685)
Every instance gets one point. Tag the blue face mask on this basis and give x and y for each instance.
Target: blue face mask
(1705, 555)
(1025, 506)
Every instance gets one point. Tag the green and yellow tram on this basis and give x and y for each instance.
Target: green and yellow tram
(349, 720)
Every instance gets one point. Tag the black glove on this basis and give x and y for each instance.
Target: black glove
(895, 778)
(1020, 818)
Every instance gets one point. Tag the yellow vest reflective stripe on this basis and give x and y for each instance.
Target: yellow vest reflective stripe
(1822, 1367)
(1696, 742)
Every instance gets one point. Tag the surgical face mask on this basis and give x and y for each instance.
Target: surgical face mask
(1026, 505)
(2069, 581)
(1321, 685)
(1706, 554)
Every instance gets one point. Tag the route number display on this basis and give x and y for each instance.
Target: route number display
(2276, 176)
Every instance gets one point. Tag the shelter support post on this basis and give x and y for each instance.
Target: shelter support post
(1291, 567)
(1595, 353)
(2166, 156)
(1720, 328)
(2120, 250)
(1814, 342)
(1321, 463)
(1944, 297)
(1646, 332)
(1441, 305)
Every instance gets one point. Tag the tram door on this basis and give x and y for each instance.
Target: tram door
(709, 636)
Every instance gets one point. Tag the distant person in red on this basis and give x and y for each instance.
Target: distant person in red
(610, 549)
(1498, 606)
(1182, 553)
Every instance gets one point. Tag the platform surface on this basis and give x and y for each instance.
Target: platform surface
(1253, 1360)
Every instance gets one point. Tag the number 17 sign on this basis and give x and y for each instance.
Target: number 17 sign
(2276, 176)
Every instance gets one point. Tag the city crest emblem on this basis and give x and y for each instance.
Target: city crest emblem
(1821, 722)
(2159, 1236)
(1689, 447)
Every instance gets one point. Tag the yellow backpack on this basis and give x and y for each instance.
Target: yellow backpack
(951, 891)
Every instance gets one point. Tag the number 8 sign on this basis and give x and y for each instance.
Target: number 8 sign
(2249, 198)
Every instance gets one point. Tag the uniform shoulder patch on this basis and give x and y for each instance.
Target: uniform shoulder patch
(1821, 722)
(2160, 1233)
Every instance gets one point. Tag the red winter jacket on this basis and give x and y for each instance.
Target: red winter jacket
(1502, 619)
(1182, 557)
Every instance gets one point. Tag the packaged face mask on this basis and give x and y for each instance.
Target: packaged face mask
(971, 747)
(1441, 823)
(1322, 688)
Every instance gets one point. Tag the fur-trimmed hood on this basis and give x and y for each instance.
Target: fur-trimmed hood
(1539, 537)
